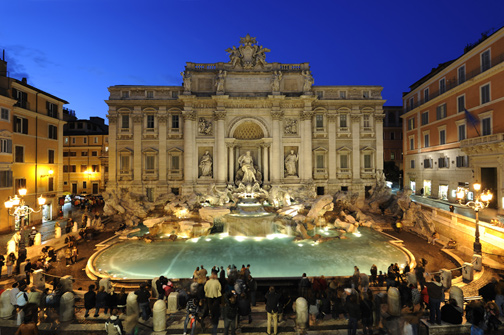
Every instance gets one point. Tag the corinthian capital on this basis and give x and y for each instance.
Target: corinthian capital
(137, 118)
(189, 116)
(379, 118)
(112, 119)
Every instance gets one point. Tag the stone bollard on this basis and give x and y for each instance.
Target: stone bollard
(39, 279)
(394, 301)
(75, 227)
(57, 232)
(411, 279)
(173, 302)
(67, 283)
(6, 307)
(66, 312)
(468, 272)
(106, 283)
(446, 278)
(132, 304)
(159, 316)
(301, 315)
(38, 239)
(477, 260)
(457, 294)
(155, 293)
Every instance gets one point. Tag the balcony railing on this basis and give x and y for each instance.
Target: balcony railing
(452, 83)
(22, 104)
(494, 138)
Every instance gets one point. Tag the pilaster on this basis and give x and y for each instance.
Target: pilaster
(331, 129)
(162, 120)
(355, 120)
(137, 145)
(112, 154)
(276, 116)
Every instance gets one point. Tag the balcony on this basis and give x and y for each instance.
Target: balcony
(488, 139)
(452, 83)
(320, 173)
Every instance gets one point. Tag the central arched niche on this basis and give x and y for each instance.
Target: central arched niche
(248, 130)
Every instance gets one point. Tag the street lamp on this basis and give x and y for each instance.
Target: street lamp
(20, 208)
(481, 201)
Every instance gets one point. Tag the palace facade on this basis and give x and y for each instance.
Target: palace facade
(453, 132)
(244, 121)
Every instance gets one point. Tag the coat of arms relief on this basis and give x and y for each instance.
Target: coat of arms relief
(248, 55)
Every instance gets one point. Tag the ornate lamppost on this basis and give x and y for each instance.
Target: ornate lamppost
(481, 201)
(22, 210)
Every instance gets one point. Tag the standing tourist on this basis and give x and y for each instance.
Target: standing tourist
(215, 313)
(101, 301)
(230, 313)
(143, 301)
(354, 314)
(89, 300)
(436, 295)
(11, 260)
(74, 254)
(272, 300)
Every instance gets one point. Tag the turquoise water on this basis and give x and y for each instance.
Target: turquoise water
(274, 257)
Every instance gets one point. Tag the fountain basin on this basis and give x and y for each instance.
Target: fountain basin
(274, 256)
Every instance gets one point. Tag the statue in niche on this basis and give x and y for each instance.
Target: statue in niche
(291, 164)
(206, 164)
(204, 126)
(187, 81)
(219, 82)
(246, 162)
(308, 81)
(275, 84)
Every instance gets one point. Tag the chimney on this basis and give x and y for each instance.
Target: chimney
(24, 80)
(3, 66)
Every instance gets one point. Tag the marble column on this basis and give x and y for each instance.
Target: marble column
(190, 163)
(355, 120)
(112, 137)
(379, 141)
(306, 142)
(220, 164)
(162, 124)
(231, 161)
(265, 147)
(276, 146)
(331, 125)
(137, 146)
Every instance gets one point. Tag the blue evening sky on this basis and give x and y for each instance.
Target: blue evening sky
(75, 49)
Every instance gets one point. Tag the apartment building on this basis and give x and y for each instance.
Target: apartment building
(392, 144)
(453, 130)
(31, 129)
(85, 156)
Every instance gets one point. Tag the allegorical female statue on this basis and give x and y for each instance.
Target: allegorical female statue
(290, 164)
(206, 165)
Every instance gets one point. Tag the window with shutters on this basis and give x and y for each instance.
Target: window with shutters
(95, 168)
(486, 126)
(462, 161)
(50, 157)
(52, 109)
(150, 163)
(83, 168)
(461, 103)
(124, 121)
(344, 161)
(21, 97)
(5, 115)
(426, 94)
(343, 121)
(125, 164)
(19, 184)
(461, 132)
(461, 72)
(5, 179)
(20, 125)
(485, 94)
(485, 60)
(443, 162)
(425, 118)
(50, 184)
(6, 146)
(441, 111)
(412, 164)
(150, 121)
(442, 137)
(427, 163)
(19, 154)
(442, 86)
(426, 140)
(53, 132)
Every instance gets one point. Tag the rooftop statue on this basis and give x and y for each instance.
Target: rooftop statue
(248, 55)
